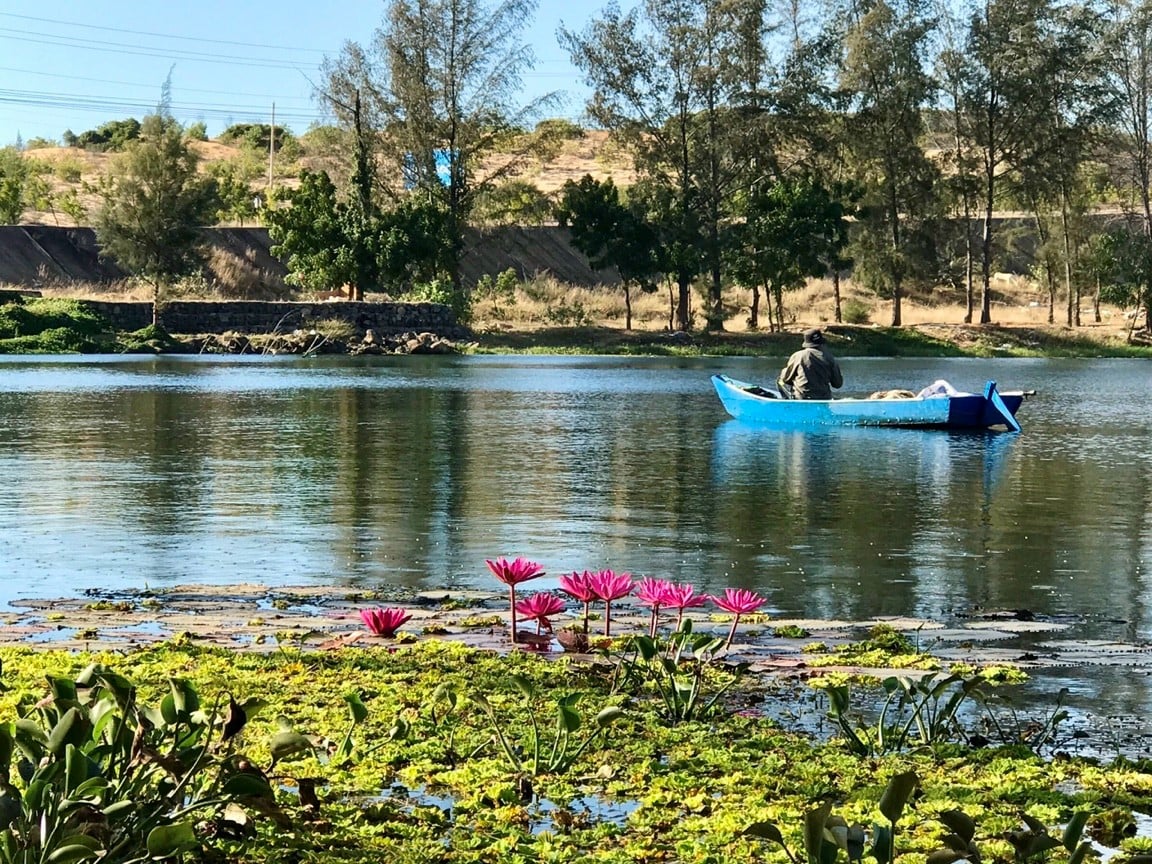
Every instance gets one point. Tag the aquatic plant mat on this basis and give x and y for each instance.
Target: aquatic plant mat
(446, 746)
(255, 617)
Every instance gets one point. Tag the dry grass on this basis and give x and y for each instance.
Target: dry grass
(544, 302)
(125, 290)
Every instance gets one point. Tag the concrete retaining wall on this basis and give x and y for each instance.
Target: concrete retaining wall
(186, 316)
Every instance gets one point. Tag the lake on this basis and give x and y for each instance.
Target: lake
(410, 471)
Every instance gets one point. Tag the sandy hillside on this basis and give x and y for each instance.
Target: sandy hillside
(76, 171)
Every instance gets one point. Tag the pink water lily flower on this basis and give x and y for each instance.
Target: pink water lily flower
(512, 573)
(384, 622)
(579, 587)
(738, 601)
(683, 596)
(540, 607)
(654, 593)
(609, 585)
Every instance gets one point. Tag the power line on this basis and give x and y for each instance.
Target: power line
(124, 48)
(163, 35)
(108, 105)
(152, 86)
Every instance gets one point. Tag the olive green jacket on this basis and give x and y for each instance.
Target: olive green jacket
(811, 373)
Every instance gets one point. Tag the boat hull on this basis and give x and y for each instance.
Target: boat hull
(960, 411)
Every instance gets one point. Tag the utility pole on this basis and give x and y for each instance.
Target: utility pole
(271, 149)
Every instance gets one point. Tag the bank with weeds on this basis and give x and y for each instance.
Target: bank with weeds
(66, 326)
(435, 751)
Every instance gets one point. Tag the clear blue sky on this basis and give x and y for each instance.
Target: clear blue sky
(77, 64)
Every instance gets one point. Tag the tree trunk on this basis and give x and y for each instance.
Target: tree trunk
(1043, 236)
(897, 267)
(683, 310)
(1073, 294)
(836, 294)
(1096, 303)
(986, 249)
(754, 312)
(627, 307)
(969, 294)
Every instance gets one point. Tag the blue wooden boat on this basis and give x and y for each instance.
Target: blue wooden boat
(946, 410)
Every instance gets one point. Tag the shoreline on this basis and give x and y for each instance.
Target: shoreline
(250, 616)
(925, 340)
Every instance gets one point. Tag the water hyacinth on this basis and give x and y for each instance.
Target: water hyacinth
(578, 586)
(653, 593)
(609, 585)
(738, 601)
(681, 596)
(384, 622)
(539, 608)
(512, 573)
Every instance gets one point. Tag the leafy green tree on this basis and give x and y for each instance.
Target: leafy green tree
(514, 202)
(15, 180)
(611, 234)
(664, 79)
(113, 135)
(786, 232)
(884, 70)
(235, 196)
(1004, 104)
(442, 77)
(1128, 74)
(1067, 137)
(258, 136)
(153, 204)
(308, 236)
(326, 242)
(1123, 268)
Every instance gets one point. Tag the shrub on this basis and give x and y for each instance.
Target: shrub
(33, 317)
(256, 135)
(113, 135)
(197, 132)
(58, 340)
(441, 291)
(855, 312)
(69, 169)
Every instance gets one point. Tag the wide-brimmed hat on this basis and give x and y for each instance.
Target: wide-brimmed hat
(813, 338)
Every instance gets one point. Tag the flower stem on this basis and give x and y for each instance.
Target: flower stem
(512, 601)
(607, 617)
(732, 632)
(587, 612)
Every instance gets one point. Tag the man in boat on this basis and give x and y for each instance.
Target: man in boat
(811, 372)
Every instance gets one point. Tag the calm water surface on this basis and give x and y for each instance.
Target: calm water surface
(411, 471)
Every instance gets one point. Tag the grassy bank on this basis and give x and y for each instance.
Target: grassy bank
(66, 326)
(437, 752)
(844, 340)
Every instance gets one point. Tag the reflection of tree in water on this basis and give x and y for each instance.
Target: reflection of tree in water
(848, 522)
(157, 444)
(393, 466)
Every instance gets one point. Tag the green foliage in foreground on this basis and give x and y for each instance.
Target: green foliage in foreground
(419, 779)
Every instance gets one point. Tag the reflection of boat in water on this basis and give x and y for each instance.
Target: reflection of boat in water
(828, 457)
(943, 409)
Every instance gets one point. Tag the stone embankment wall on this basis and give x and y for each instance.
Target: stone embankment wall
(187, 316)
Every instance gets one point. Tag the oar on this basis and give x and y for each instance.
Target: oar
(991, 395)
